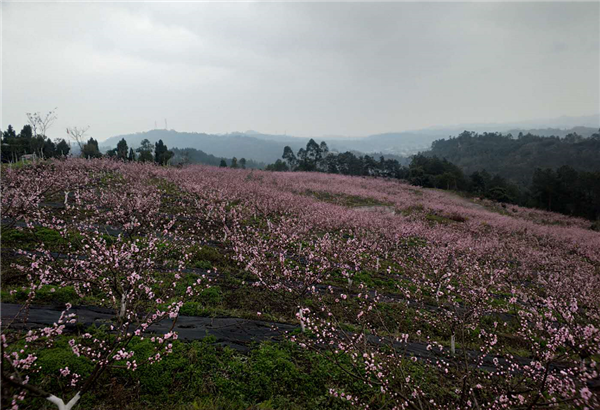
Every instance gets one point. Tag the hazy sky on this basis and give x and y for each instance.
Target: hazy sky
(301, 68)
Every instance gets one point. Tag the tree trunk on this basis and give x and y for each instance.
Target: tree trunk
(123, 306)
(301, 321)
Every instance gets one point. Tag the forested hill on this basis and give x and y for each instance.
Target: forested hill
(517, 157)
(195, 156)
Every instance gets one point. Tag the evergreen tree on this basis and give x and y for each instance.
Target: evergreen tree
(49, 149)
(122, 149)
(145, 151)
(62, 148)
(159, 149)
(162, 155)
(12, 148)
(289, 156)
(91, 150)
(9, 133)
(313, 151)
(279, 165)
(26, 132)
(544, 188)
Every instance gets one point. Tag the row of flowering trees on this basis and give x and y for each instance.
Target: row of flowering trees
(520, 299)
(477, 310)
(135, 272)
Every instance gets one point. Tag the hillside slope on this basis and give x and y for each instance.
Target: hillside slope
(340, 285)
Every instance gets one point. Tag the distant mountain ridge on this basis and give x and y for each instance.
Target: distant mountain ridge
(268, 148)
(228, 145)
(563, 122)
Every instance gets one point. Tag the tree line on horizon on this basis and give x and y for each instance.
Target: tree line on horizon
(31, 142)
(28, 142)
(560, 188)
(146, 152)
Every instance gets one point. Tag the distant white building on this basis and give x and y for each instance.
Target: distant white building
(28, 157)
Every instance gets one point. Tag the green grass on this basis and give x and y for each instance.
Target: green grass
(444, 219)
(202, 375)
(209, 257)
(351, 201)
(20, 164)
(413, 209)
(25, 237)
(47, 294)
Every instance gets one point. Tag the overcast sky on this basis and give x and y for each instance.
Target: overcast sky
(307, 69)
